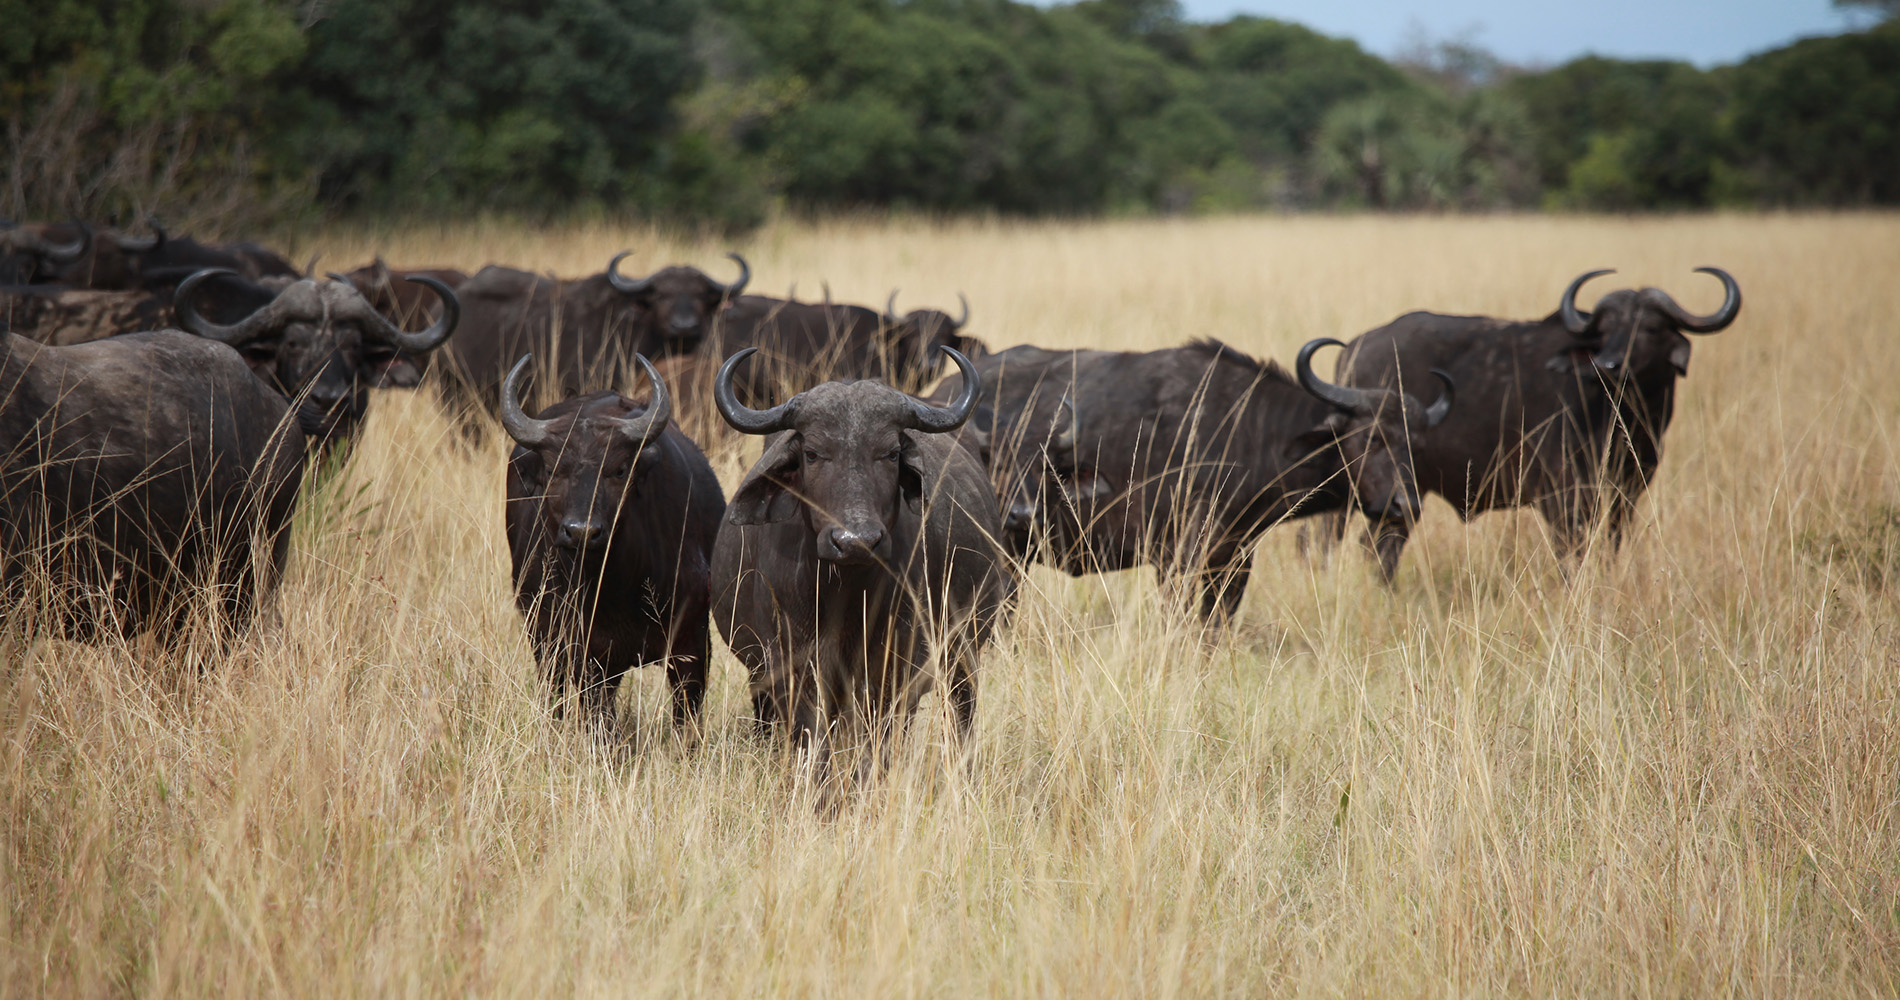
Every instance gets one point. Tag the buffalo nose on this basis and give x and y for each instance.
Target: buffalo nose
(1020, 517)
(580, 534)
(1609, 364)
(845, 545)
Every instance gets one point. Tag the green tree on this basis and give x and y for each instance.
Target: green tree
(1818, 122)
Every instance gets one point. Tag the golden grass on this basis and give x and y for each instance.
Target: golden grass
(1675, 774)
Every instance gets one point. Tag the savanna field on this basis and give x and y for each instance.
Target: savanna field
(1671, 771)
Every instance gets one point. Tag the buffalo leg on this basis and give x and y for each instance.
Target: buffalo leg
(1386, 539)
(1320, 535)
(687, 657)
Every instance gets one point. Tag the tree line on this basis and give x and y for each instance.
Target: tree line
(231, 113)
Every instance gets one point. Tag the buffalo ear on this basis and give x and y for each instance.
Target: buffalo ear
(767, 494)
(911, 474)
(1679, 356)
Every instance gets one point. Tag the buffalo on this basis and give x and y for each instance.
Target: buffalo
(587, 331)
(39, 254)
(1565, 414)
(804, 341)
(611, 516)
(136, 472)
(107, 259)
(1181, 458)
(857, 566)
(321, 344)
(390, 292)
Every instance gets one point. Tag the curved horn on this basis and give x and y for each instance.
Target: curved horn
(523, 428)
(890, 310)
(965, 318)
(71, 251)
(1717, 320)
(733, 290)
(415, 343)
(186, 310)
(744, 418)
(1064, 440)
(310, 267)
(1345, 397)
(938, 419)
(1578, 323)
(157, 239)
(650, 425)
(1436, 413)
(622, 283)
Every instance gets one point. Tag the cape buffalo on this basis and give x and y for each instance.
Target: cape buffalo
(800, 342)
(586, 331)
(55, 314)
(611, 518)
(136, 470)
(1180, 458)
(320, 344)
(858, 567)
(112, 260)
(390, 292)
(36, 254)
(1565, 414)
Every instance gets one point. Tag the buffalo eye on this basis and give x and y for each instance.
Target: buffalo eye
(811, 456)
(895, 454)
(260, 353)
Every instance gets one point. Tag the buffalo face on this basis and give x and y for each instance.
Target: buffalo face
(1375, 431)
(916, 339)
(584, 459)
(1632, 333)
(320, 343)
(678, 302)
(844, 462)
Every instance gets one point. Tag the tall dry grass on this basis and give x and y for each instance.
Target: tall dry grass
(1674, 773)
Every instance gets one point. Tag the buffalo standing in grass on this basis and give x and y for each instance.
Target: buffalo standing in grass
(859, 552)
(803, 342)
(1180, 458)
(321, 345)
(586, 332)
(1565, 414)
(612, 514)
(137, 470)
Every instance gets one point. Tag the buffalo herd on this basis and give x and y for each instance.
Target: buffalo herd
(159, 398)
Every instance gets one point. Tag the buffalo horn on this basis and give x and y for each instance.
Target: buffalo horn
(129, 244)
(1578, 323)
(622, 283)
(890, 310)
(1717, 320)
(423, 341)
(651, 424)
(1436, 413)
(68, 253)
(938, 419)
(1345, 397)
(524, 429)
(184, 304)
(743, 418)
(964, 319)
(1064, 441)
(733, 290)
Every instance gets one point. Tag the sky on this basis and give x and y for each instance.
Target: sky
(1705, 32)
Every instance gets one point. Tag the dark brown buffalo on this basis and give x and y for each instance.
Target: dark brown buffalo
(861, 545)
(391, 293)
(803, 342)
(321, 344)
(112, 260)
(36, 253)
(611, 518)
(1180, 458)
(1565, 414)
(587, 331)
(137, 471)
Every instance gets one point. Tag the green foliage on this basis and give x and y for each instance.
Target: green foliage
(230, 112)
(1818, 122)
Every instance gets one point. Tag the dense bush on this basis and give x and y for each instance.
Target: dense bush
(234, 111)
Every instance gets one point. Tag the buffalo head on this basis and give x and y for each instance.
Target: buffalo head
(1632, 333)
(679, 302)
(844, 463)
(914, 337)
(35, 253)
(319, 342)
(1038, 476)
(585, 457)
(1374, 430)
